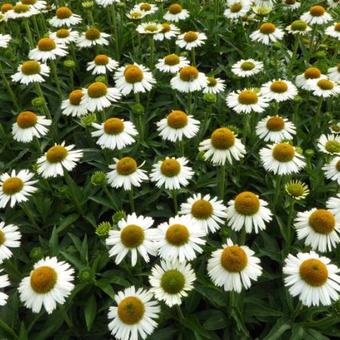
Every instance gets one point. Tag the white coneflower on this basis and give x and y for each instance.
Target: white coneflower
(248, 211)
(291, 5)
(114, 133)
(98, 96)
(282, 159)
(333, 30)
(20, 11)
(101, 64)
(329, 144)
(58, 157)
(298, 27)
(64, 36)
(171, 63)
(333, 3)
(126, 174)
(180, 239)
(267, 34)
(247, 67)
(318, 228)
(308, 78)
(9, 238)
(191, 39)
(312, 278)
(223, 145)
(333, 204)
(106, 3)
(325, 88)
(236, 10)
(135, 314)
(214, 85)
(136, 14)
(233, 267)
(73, 105)
(36, 4)
(332, 169)
(146, 7)
(4, 40)
(149, 28)
(16, 187)
(316, 15)
(31, 71)
(297, 189)
(29, 125)
(92, 37)
(172, 173)
(177, 125)
(49, 283)
(64, 17)
(334, 73)
(279, 90)
(134, 78)
(189, 79)
(207, 212)
(246, 101)
(171, 281)
(176, 13)
(47, 49)
(275, 129)
(168, 32)
(4, 282)
(134, 236)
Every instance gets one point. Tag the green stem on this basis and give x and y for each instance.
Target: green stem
(109, 196)
(28, 213)
(131, 199)
(41, 94)
(8, 88)
(193, 53)
(179, 312)
(115, 27)
(221, 181)
(56, 79)
(29, 33)
(174, 197)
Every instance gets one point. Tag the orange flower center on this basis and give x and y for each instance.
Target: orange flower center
(283, 152)
(92, 34)
(101, 59)
(325, 84)
(56, 154)
(63, 33)
(248, 97)
(26, 119)
(46, 44)
(322, 221)
(30, 67)
(337, 27)
(337, 165)
(132, 236)
(2, 238)
(175, 8)
(275, 123)
(171, 59)
(190, 36)
(236, 7)
(279, 86)
(43, 279)
(314, 272)
(177, 235)
(63, 13)
(126, 166)
(6, 7)
(188, 73)
(166, 27)
(177, 119)
(170, 167)
(12, 185)
(113, 126)
(75, 97)
(130, 310)
(97, 90)
(317, 11)
(247, 203)
(145, 6)
(202, 209)
(312, 73)
(222, 138)
(133, 74)
(267, 28)
(234, 259)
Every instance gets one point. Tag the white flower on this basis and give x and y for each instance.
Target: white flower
(146, 8)
(135, 236)
(134, 78)
(9, 238)
(73, 105)
(64, 36)
(332, 169)
(171, 63)
(190, 40)
(334, 73)
(180, 239)
(101, 64)
(16, 187)
(267, 34)
(316, 15)
(189, 79)
(136, 14)
(223, 145)
(279, 90)
(106, 3)
(214, 85)
(57, 158)
(275, 129)
(31, 71)
(291, 5)
(233, 267)
(47, 49)
(171, 281)
(135, 314)
(329, 144)
(20, 11)
(126, 174)
(333, 204)
(4, 282)
(298, 27)
(236, 9)
(168, 32)
(249, 211)
(149, 28)
(4, 40)
(312, 278)
(207, 212)
(247, 68)
(92, 37)
(177, 125)
(49, 283)
(281, 159)
(29, 125)
(333, 30)
(176, 13)
(318, 228)
(173, 173)
(65, 18)
(311, 76)
(325, 88)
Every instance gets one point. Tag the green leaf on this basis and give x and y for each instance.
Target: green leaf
(216, 320)
(280, 327)
(90, 312)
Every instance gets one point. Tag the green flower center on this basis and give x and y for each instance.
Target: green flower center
(172, 281)
(332, 146)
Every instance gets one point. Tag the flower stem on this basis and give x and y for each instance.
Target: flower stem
(174, 197)
(29, 33)
(115, 27)
(179, 312)
(8, 88)
(131, 199)
(221, 181)
(56, 79)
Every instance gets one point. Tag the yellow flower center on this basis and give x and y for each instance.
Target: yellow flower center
(332, 146)
(247, 66)
(172, 281)
(175, 8)
(222, 139)
(151, 28)
(113, 126)
(126, 166)
(166, 27)
(317, 11)
(46, 44)
(6, 7)
(248, 97)
(267, 28)
(12, 185)
(236, 7)
(56, 154)
(234, 259)
(283, 152)
(63, 13)
(279, 86)
(177, 235)
(28, 2)
(296, 189)
(63, 33)
(145, 6)
(26, 119)
(133, 74)
(30, 67)
(177, 119)
(247, 203)
(97, 90)
(43, 279)
(212, 82)
(322, 221)
(135, 14)
(298, 25)
(130, 310)
(132, 236)
(2, 237)
(190, 36)
(202, 209)
(325, 84)
(21, 8)
(312, 73)
(314, 272)
(75, 97)
(170, 167)
(188, 73)
(337, 27)
(275, 123)
(171, 59)
(92, 34)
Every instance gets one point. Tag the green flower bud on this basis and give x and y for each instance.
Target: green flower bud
(121, 4)
(118, 216)
(36, 253)
(103, 229)
(309, 153)
(88, 119)
(234, 129)
(200, 156)
(277, 45)
(86, 275)
(98, 178)
(321, 54)
(101, 79)
(38, 102)
(138, 108)
(298, 99)
(69, 63)
(87, 4)
(299, 150)
(210, 98)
